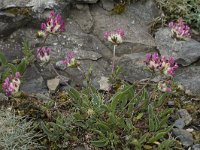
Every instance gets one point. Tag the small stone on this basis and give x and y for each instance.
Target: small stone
(196, 147)
(180, 123)
(104, 83)
(190, 130)
(185, 116)
(171, 103)
(108, 4)
(53, 84)
(184, 136)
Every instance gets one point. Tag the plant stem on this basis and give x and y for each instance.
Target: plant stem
(113, 63)
(60, 76)
(43, 43)
(173, 45)
(140, 91)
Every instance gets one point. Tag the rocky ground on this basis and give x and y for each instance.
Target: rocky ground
(86, 20)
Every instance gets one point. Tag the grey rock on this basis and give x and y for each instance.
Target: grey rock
(36, 11)
(133, 67)
(196, 147)
(74, 39)
(137, 37)
(42, 8)
(4, 4)
(90, 51)
(10, 22)
(11, 48)
(34, 82)
(83, 17)
(180, 123)
(185, 52)
(189, 78)
(184, 136)
(145, 10)
(185, 116)
(87, 55)
(41, 5)
(107, 4)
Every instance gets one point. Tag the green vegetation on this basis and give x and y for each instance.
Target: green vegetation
(189, 10)
(17, 133)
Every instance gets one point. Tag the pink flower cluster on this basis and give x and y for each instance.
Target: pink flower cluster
(54, 24)
(165, 86)
(115, 37)
(70, 60)
(180, 28)
(44, 54)
(11, 84)
(162, 64)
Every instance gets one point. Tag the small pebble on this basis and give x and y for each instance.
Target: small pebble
(179, 123)
(171, 103)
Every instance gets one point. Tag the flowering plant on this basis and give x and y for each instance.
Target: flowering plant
(115, 37)
(165, 86)
(70, 60)
(44, 54)
(180, 29)
(11, 84)
(165, 65)
(53, 24)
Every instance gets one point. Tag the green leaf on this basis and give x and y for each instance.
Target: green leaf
(143, 139)
(100, 143)
(6, 73)
(160, 101)
(12, 68)
(151, 116)
(102, 126)
(129, 123)
(158, 136)
(3, 59)
(166, 145)
(147, 147)
(119, 96)
(50, 135)
(96, 100)
(21, 67)
(75, 95)
(139, 116)
(166, 112)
